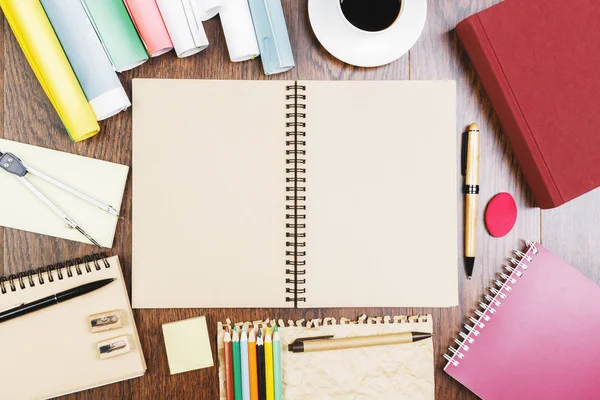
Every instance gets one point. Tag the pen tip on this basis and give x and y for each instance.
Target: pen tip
(469, 264)
(473, 127)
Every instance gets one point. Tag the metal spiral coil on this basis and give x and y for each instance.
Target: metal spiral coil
(491, 304)
(61, 270)
(295, 193)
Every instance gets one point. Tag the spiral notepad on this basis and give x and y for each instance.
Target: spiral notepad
(53, 351)
(327, 194)
(392, 372)
(535, 336)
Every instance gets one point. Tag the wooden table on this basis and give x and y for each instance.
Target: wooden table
(438, 55)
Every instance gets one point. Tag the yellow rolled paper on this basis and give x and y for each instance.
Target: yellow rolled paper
(52, 69)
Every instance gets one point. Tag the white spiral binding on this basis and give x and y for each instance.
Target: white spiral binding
(477, 325)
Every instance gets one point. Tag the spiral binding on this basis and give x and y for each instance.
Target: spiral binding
(296, 189)
(491, 304)
(59, 271)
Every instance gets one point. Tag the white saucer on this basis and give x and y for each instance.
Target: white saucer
(366, 49)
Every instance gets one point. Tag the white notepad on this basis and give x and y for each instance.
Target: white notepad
(283, 193)
(52, 352)
(101, 180)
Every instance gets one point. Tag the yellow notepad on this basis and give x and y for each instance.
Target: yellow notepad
(188, 345)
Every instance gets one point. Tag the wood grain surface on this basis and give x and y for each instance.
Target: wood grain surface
(28, 117)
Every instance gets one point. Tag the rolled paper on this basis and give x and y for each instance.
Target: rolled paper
(207, 9)
(184, 26)
(272, 35)
(150, 26)
(239, 30)
(117, 33)
(50, 65)
(88, 59)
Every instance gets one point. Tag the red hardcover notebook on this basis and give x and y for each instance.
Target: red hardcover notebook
(539, 62)
(536, 336)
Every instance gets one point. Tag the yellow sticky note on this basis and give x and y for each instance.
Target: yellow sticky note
(188, 345)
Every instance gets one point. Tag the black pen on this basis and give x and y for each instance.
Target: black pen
(26, 308)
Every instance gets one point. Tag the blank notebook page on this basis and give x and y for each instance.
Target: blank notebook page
(543, 341)
(208, 193)
(381, 194)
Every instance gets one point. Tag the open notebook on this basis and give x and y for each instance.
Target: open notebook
(536, 335)
(294, 194)
(52, 351)
(102, 180)
(392, 372)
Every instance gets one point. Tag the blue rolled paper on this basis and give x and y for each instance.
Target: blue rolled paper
(272, 35)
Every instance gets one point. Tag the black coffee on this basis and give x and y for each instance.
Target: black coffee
(371, 15)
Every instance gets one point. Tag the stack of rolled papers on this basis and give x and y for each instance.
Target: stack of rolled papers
(51, 67)
(88, 59)
(75, 47)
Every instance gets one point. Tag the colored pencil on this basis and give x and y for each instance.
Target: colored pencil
(269, 366)
(252, 365)
(237, 365)
(244, 363)
(228, 367)
(277, 382)
(260, 367)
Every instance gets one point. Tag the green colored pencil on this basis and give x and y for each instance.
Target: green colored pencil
(277, 365)
(237, 365)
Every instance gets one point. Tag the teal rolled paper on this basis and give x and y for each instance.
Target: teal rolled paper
(272, 36)
(117, 33)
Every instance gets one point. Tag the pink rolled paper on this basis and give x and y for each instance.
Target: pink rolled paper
(150, 26)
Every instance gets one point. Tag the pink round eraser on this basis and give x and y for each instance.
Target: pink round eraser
(501, 215)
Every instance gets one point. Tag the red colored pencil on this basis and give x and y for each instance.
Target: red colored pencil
(228, 367)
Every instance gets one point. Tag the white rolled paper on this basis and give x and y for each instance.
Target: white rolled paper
(238, 29)
(207, 9)
(184, 26)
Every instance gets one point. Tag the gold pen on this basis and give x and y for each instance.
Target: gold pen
(322, 343)
(470, 169)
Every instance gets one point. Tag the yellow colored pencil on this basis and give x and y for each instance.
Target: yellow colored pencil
(269, 366)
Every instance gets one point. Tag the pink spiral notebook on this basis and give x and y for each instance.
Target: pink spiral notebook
(536, 335)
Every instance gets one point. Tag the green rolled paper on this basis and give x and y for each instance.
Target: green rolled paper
(117, 33)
